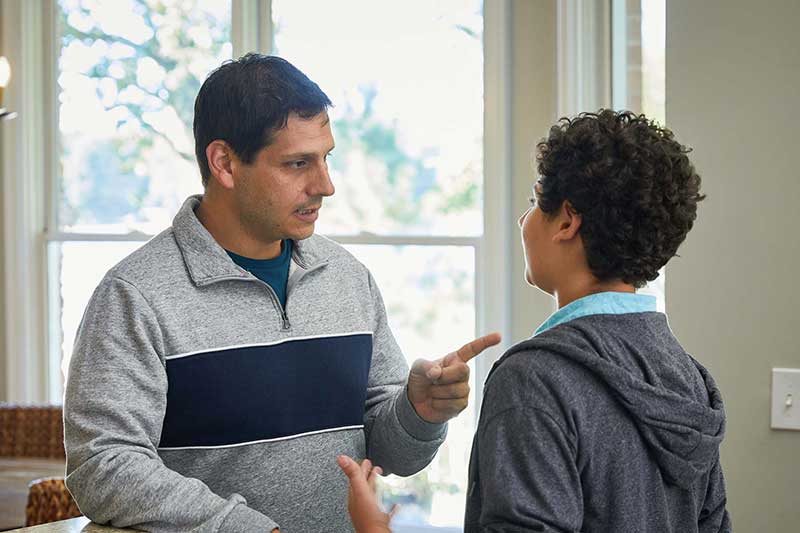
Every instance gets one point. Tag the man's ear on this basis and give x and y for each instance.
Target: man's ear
(219, 155)
(569, 222)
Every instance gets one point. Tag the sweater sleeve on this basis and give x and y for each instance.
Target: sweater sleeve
(114, 407)
(714, 517)
(529, 480)
(398, 440)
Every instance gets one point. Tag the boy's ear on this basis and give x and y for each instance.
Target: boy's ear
(220, 156)
(569, 222)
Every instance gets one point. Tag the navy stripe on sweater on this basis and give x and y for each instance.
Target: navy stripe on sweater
(245, 394)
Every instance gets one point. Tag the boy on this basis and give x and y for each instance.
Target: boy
(601, 421)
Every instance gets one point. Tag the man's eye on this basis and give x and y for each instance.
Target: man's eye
(297, 164)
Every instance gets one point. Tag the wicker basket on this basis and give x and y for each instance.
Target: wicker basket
(31, 431)
(49, 501)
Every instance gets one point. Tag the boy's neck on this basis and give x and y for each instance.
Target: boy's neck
(586, 286)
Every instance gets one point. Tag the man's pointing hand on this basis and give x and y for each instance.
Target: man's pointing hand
(439, 390)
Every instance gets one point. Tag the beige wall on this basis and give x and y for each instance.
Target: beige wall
(732, 93)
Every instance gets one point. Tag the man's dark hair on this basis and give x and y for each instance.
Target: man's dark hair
(631, 182)
(246, 101)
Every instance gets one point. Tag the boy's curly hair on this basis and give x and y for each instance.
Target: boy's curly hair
(631, 182)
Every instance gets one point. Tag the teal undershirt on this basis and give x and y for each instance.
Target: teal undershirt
(604, 303)
(274, 272)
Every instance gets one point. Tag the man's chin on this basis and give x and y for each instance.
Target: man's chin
(301, 234)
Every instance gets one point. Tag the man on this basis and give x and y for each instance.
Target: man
(220, 369)
(601, 421)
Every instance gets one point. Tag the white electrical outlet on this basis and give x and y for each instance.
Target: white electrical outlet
(786, 398)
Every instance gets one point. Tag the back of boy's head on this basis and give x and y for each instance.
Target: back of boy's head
(632, 184)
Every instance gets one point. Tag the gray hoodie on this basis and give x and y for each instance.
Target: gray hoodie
(196, 402)
(601, 424)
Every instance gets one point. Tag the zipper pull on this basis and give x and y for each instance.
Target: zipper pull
(286, 325)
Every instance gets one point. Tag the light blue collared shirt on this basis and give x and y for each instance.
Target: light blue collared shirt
(603, 303)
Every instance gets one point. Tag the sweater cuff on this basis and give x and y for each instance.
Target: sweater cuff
(243, 519)
(413, 424)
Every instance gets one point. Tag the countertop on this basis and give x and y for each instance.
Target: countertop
(73, 525)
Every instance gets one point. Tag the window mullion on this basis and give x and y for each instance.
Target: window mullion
(405, 240)
(94, 237)
(251, 26)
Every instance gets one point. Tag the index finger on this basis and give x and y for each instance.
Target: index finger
(471, 349)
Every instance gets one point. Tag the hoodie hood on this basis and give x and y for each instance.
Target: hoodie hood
(682, 427)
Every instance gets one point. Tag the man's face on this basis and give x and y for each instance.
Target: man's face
(280, 193)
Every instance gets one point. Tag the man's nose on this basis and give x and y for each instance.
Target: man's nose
(323, 185)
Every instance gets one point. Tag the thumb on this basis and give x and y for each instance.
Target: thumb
(358, 479)
(430, 370)
(349, 467)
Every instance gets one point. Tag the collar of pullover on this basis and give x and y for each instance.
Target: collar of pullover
(207, 262)
(604, 303)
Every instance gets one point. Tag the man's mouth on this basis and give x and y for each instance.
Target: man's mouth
(308, 210)
(308, 214)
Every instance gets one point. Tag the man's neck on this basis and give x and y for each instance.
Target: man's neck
(226, 228)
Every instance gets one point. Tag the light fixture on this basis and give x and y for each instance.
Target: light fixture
(5, 75)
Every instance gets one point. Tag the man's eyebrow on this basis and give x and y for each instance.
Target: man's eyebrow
(305, 155)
